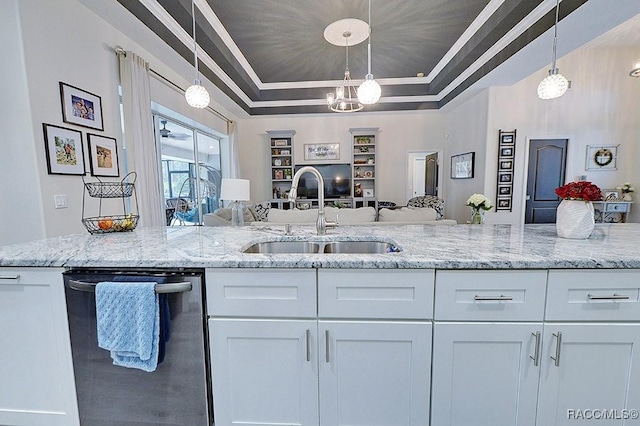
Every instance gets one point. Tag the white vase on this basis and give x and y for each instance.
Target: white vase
(627, 197)
(575, 219)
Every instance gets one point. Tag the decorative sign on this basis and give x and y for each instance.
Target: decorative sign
(462, 165)
(322, 151)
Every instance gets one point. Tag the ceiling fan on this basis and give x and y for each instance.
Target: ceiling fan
(166, 133)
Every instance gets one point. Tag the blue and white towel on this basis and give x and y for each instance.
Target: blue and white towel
(128, 323)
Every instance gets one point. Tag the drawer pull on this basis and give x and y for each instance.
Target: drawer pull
(306, 339)
(556, 359)
(492, 298)
(536, 352)
(10, 277)
(612, 297)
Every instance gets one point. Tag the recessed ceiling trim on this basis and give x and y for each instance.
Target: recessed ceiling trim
(217, 26)
(509, 37)
(477, 23)
(185, 38)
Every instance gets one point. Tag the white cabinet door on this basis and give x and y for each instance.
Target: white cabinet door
(264, 372)
(374, 373)
(597, 368)
(484, 374)
(37, 386)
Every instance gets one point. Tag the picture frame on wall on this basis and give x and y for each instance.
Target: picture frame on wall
(506, 164)
(506, 152)
(103, 155)
(505, 177)
(63, 149)
(504, 190)
(462, 165)
(504, 204)
(81, 107)
(507, 139)
(602, 157)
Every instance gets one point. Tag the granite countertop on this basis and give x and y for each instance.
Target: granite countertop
(423, 246)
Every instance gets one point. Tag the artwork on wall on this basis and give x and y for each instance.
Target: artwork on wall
(462, 165)
(81, 107)
(506, 159)
(63, 148)
(322, 151)
(103, 155)
(602, 157)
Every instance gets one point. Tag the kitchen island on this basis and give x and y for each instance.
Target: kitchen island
(465, 325)
(423, 246)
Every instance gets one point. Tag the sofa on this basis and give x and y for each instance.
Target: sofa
(261, 213)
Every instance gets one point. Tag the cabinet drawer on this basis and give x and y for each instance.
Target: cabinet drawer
(597, 295)
(261, 292)
(31, 276)
(376, 293)
(490, 295)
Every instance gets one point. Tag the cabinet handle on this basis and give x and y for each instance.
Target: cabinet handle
(306, 338)
(556, 359)
(536, 352)
(326, 346)
(492, 298)
(612, 297)
(10, 277)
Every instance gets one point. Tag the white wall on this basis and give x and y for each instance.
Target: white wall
(21, 216)
(466, 132)
(75, 46)
(397, 134)
(601, 108)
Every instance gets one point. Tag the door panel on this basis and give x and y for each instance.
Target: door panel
(546, 172)
(431, 174)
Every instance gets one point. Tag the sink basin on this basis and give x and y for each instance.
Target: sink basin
(323, 247)
(283, 247)
(359, 247)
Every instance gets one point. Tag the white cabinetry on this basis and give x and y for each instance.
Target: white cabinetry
(36, 369)
(486, 369)
(360, 360)
(375, 372)
(590, 365)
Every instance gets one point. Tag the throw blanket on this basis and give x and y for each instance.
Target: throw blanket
(128, 323)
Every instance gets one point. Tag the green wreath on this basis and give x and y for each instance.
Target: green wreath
(603, 157)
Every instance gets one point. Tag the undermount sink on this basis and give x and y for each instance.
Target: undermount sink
(362, 247)
(324, 247)
(283, 247)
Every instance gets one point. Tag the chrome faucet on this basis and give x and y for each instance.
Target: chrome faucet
(321, 222)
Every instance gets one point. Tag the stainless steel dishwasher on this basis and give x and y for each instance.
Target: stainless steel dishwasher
(178, 392)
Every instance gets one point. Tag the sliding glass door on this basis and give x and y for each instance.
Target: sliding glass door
(190, 166)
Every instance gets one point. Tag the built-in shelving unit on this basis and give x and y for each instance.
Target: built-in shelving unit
(363, 166)
(280, 165)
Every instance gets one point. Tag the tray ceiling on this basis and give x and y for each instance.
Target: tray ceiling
(270, 56)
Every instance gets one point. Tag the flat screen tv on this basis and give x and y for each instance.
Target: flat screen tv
(337, 181)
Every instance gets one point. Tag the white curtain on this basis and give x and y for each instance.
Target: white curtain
(232, 130)
(139, 138)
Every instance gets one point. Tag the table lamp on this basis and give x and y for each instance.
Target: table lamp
(237, 191)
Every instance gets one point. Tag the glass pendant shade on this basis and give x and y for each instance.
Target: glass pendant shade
(197, 96)
(553, 86)
(635, 72)
(369, 91)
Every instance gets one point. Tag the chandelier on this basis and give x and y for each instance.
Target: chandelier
(196, 95)
(555, 84)
(344, 99)
(369, 91)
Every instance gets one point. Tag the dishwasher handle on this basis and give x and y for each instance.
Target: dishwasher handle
(180, 287)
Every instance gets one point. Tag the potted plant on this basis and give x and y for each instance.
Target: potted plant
(626, 190)
(479, 204)
(575, 215)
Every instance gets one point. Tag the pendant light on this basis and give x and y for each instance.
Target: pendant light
(555, 84)
(635, 72)
(369, 91)
(344, 99)
(196, 95)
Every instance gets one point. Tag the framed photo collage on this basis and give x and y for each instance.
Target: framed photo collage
(506, 159)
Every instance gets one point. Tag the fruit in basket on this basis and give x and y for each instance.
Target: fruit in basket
(105, 223)
(127, 223)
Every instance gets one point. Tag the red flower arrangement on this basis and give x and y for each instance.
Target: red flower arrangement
(582, 190)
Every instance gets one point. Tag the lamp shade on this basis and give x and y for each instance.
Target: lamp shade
(553, 86)
(235, 190)
(197, 96)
